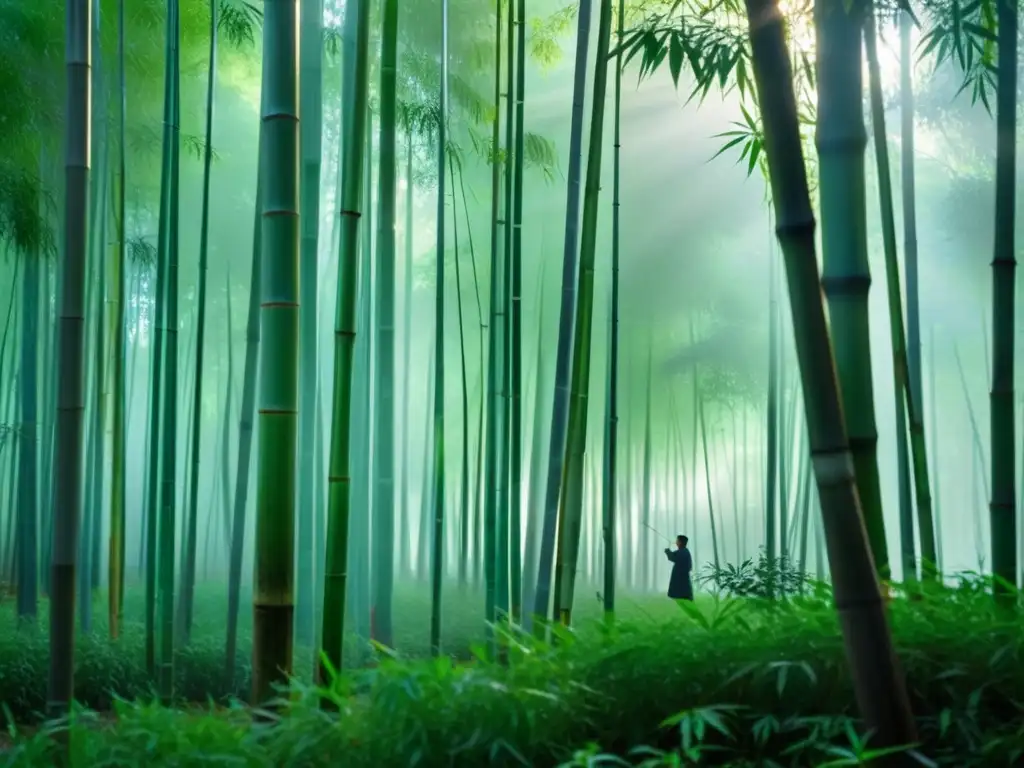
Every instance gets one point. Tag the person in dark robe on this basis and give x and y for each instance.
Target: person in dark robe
(679, 585)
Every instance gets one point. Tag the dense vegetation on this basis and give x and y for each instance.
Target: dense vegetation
(730, 683)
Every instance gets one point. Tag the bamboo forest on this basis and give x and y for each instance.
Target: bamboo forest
(510, 382)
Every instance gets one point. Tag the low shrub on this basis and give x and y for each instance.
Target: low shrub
(767, 578)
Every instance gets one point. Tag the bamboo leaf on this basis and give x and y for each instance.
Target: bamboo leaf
(755, 153)
(675, 58)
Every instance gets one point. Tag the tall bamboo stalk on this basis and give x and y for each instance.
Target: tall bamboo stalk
(464, 387)
(273, 590)
(878, 681)
(707, 483)
(646, 575)
(492, 462)
(27, 511)
(167, 326)
(437, 561)
(384, 373)
(67, 472)
(934, 452)
(482, 321)
(536, 492)
(408, 232)
(245, 431)
(89, 549)
(563, 354)
(905, 388)
(771, 411)
(572, 491)
(908, 187)
(1003, 501)
(516, 361)
(228, 411)
(339, 481)
(119, 446)
(783, 451)
(505, 503)
(840, 138)
(188, 578)
(609, 486)
(311, 112)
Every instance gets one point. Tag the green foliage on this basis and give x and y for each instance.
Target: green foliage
(238, 21)
(31, 59)
(25, 208)
(750, 137)
(766, 578)
(709, 42)
(32, 83)
(29, 78)
(739, 686)
(546, 34)
(419, 74)
(141, 252)
(147, 139)
(471, 116)
(964, 34)
(538, 152)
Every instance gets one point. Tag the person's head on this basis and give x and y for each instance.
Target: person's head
(681, 541)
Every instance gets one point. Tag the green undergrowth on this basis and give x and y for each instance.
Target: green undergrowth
(106, 670)
(739, 683)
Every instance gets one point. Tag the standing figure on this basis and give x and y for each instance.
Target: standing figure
(679, 586)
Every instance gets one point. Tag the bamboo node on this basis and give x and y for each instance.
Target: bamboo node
(833, 467)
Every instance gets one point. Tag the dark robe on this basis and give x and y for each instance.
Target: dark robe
(679, 586)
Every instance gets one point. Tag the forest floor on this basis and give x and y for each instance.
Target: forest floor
(732, 682)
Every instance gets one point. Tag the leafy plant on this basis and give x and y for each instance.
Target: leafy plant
(768, 578)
